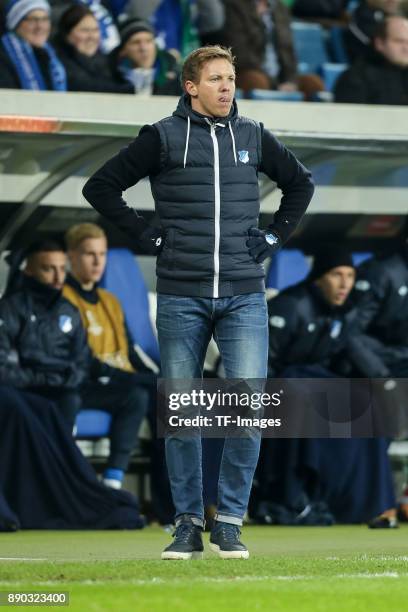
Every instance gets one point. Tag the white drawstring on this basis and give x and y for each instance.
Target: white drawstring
(187, 139)
(233, 141)
(218, 125)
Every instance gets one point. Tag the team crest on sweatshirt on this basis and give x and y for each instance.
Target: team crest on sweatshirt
(243, 156)
(65, 324)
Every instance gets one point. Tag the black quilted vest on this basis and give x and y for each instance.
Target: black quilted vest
(207, 198)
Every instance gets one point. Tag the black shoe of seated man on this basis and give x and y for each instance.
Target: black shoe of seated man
(187, 543)
(262, 244)
(225, 542)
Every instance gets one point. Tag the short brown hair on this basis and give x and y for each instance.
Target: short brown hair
(194, 62)
(80, 232)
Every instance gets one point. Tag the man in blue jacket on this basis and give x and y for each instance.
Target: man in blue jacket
(203, 165)
(43, 345)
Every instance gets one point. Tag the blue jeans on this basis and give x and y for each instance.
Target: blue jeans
(239, 325)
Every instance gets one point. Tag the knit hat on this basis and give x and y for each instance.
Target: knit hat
(133, 26)
(16, 10)
(328, 258)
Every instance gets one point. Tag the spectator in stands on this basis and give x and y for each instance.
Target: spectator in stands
(309, 327)
(77, 46)
(27, 59)
(363, 25)
(380, 77)
(42, 342)
(109, 35)
(108, 29)
(261, 39)
(141, 63)
(180, 24)
(120, 383)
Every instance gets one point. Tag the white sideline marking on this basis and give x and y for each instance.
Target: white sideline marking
(157, 580)
(20, 559)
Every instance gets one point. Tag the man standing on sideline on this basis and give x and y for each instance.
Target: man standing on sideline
(203, 165)
(117, 373)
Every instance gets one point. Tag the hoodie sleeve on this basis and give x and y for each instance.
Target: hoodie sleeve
(104, 189)
(292, 178)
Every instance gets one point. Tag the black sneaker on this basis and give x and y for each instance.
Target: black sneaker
(187, 543)
(224, 540)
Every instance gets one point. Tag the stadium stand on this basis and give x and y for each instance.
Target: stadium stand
(272, 95)
(310, 46)
(330, 73)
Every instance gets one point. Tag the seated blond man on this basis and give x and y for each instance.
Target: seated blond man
(117, 384)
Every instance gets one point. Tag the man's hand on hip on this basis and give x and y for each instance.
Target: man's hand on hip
(149, 239)
(262, 244)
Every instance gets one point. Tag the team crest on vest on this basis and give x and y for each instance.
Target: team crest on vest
(243, 156)
(65, 324)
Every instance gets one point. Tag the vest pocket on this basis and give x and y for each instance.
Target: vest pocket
(166, 257)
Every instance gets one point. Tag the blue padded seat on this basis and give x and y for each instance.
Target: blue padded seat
(359, 258)
(92, 423)
(336, 45)
(288, 267)
(310, 45)
(271, 95)
(124, 278)
(330, 73)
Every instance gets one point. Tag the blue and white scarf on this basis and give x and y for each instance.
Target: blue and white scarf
(25, 62)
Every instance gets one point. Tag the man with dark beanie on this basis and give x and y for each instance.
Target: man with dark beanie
(317, 481)
(139, 62)
(308, 306)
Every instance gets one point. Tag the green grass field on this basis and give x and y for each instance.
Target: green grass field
(319, 569)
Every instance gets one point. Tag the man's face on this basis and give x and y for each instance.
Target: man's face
(140, 49)
(388, 6)
(395, 46)
(88, 260)
(35, 28)
(48, 268)
(336, 284)
(214, 93)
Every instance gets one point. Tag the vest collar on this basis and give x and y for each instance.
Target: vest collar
(184, 110)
